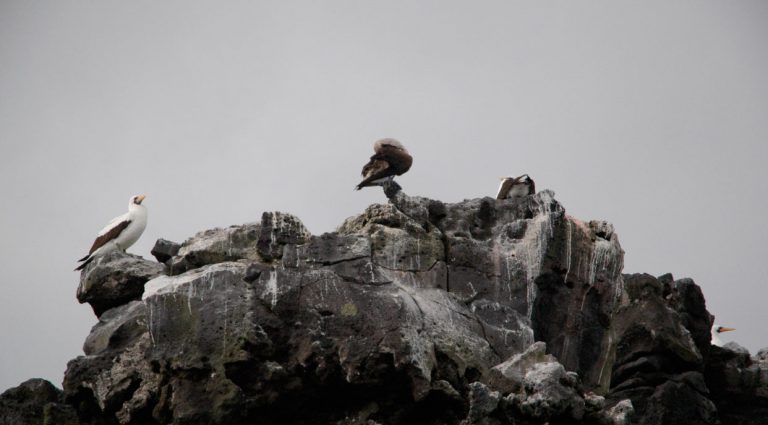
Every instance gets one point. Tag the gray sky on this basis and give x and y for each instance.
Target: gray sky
(652, 115)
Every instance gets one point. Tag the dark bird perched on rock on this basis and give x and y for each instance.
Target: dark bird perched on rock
(516, 187)
(122, 232)
(391, 159)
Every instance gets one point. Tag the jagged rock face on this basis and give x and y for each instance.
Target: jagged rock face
(658, 364)
(35, 401)
(400, 310)
(739, 384)
(114, 279)
(216, 246)
(417, 311)
(561, 274)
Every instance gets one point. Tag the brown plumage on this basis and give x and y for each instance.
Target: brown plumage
(102, 240)
(111, 234)
(514, 187)
(390, 159)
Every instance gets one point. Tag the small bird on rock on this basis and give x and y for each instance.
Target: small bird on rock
(389, 160)
(516, 187)
(122, 232)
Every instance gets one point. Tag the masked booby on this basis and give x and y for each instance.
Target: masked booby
(716, 331)
(122, 232)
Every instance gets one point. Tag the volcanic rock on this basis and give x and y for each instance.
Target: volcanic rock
(417, 311)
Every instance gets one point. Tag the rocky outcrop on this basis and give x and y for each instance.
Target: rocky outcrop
(415, 311)
(35, 401)
(739, 384)
(114, 279)
(658, 365)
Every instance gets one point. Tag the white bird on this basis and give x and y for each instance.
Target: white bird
(120, 233)
(716, 331)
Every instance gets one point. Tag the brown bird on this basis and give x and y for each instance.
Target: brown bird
(391, 159)
(516, 187)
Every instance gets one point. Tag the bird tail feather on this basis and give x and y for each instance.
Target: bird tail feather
(87, 261)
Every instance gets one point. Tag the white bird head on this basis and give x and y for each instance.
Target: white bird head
(136, 201)
(716, 331)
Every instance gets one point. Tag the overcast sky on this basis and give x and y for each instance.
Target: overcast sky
(652, 115)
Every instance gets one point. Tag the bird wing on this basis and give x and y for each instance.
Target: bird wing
(378, 164)
(375, 169)
(504, 188)
(399, 159)
(108, 233)
(113, 222)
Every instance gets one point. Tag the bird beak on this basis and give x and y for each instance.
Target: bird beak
(140, 198)
(722, 329)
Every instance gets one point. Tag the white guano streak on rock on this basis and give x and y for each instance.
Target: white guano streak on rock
(373, 276)
(271, 288)
(418, 252)
(272, 232)
(150, 307)
(604, 258)
(568, 248)
(226, 321)
(417, 313)
(394, 254)
(190, 294)
(534, 244)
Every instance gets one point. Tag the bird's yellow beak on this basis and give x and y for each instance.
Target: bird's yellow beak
(140, 198)
(723, 329)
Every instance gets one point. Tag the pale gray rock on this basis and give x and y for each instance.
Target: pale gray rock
(509, 376)
(548, 392)
(114, 279)
(621, 413)
(217, 246)
(277, 230)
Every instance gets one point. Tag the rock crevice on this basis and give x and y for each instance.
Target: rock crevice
(416, 311)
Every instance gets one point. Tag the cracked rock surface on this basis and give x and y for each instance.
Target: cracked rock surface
(414, 311)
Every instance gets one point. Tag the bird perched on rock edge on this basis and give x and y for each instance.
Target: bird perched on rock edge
(516, 187)
(389, 160)
(122, 232)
